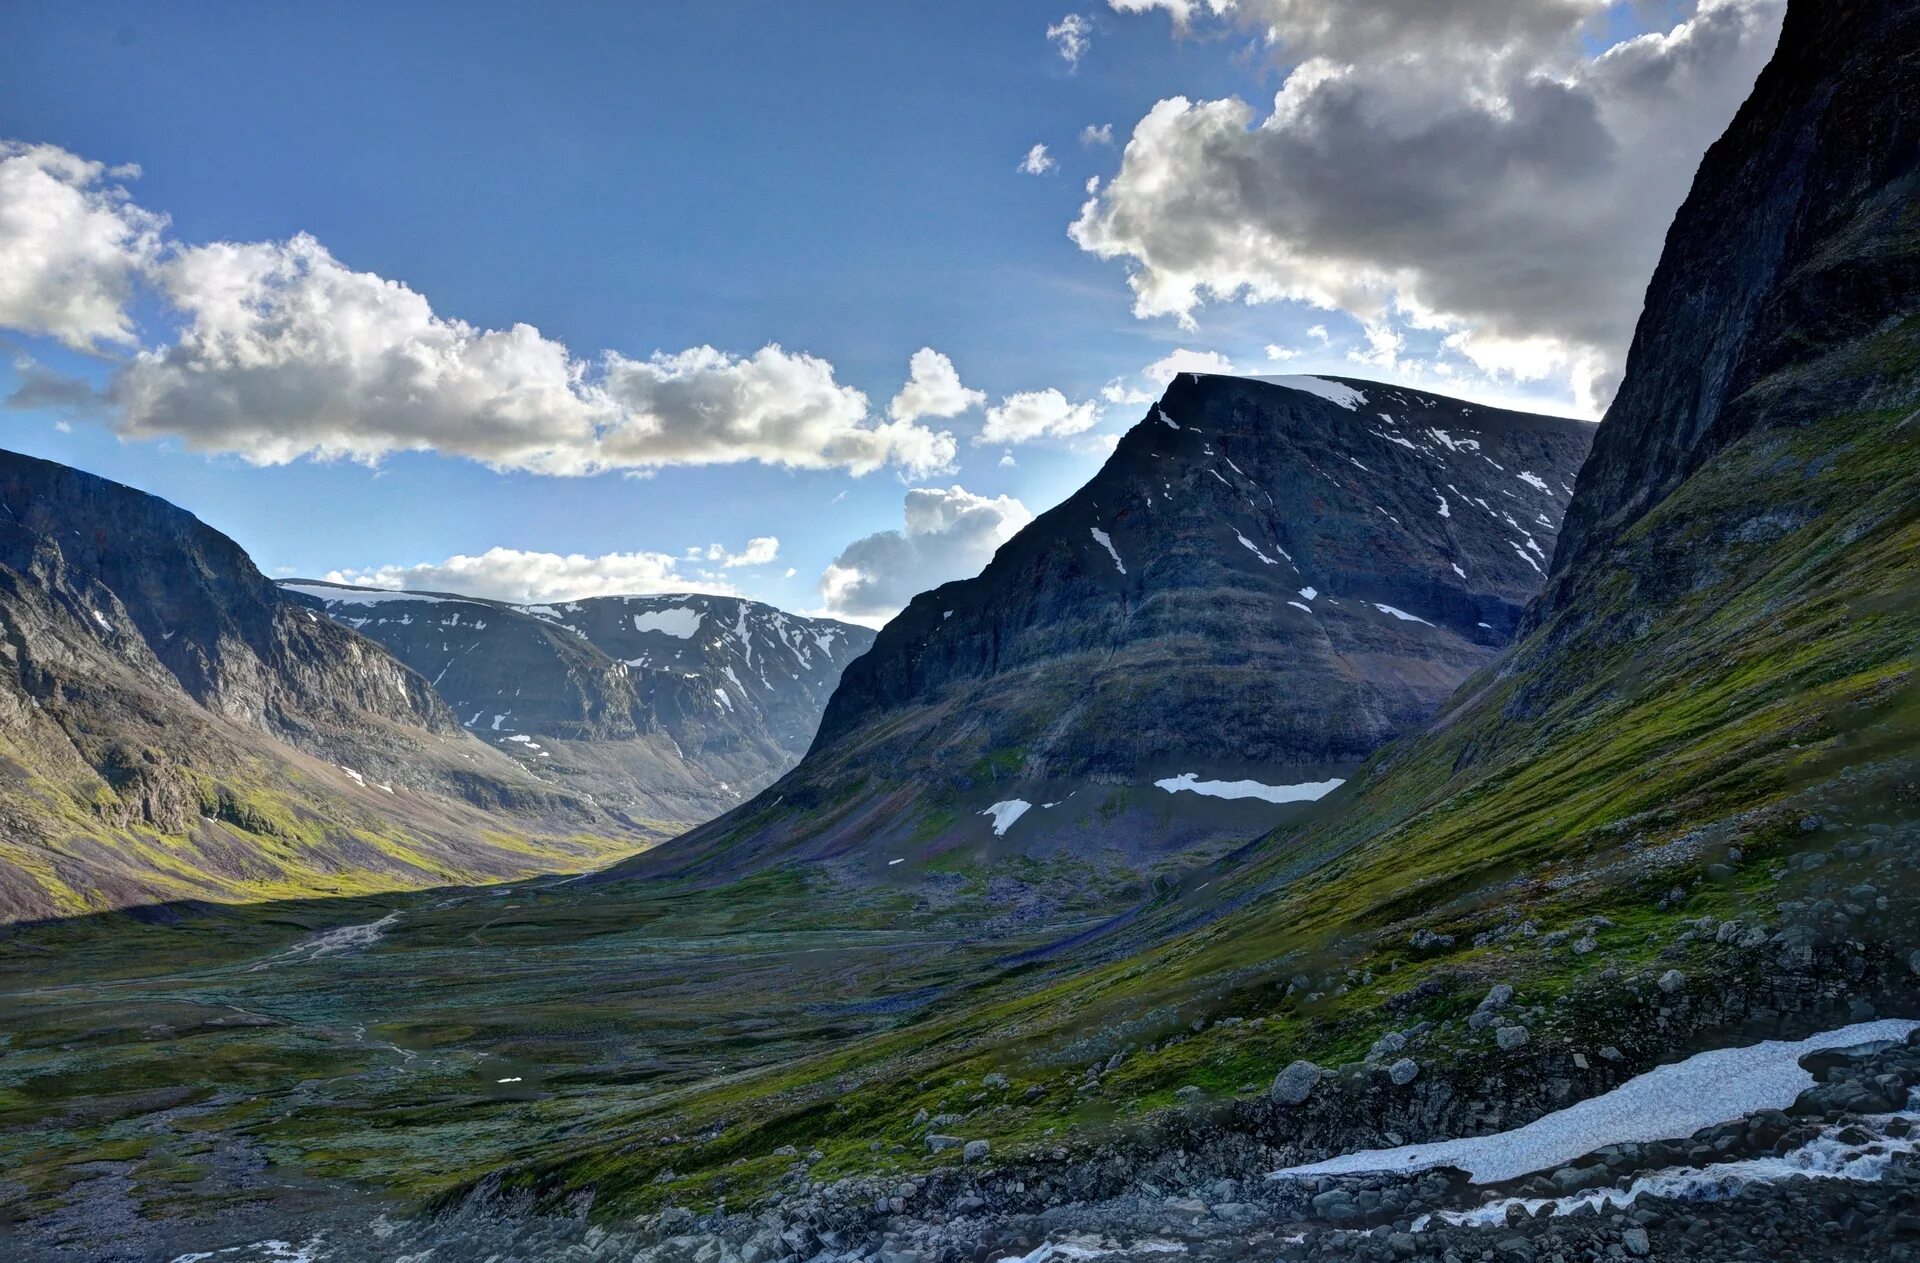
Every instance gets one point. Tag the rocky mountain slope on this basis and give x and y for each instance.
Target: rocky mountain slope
(1267, 581)
(670, 707)
(172, 727)
(1680, 814)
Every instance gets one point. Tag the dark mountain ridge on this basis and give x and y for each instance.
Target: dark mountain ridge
(1266, 581)
(1798, 237)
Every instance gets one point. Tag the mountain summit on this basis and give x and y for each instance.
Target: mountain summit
(1268, 580)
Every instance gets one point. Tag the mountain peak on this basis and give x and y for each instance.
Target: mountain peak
(1266, 581)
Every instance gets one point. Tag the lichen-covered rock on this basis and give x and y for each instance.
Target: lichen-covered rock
(1295, 1084)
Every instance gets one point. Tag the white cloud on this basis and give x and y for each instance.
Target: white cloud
(948, 534)
(285, 353)
(282, 352)
(1034, 414)
(933, 389)
(1469, 168)
(508, 574)
(1162, 371)
(1159, 374)
(760, 550)
(1037, 162)
(1277, 352)
(1181, 10)
(71, 246)
(1319, 332)
(1070, 36)
(1101, 135)
(705, 407)
(1384, 344)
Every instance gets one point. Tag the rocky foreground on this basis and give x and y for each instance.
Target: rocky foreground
(1833, 1177)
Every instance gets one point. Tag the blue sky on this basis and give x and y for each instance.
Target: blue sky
(837, 178)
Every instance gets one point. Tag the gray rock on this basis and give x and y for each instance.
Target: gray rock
(975, 1150)
(1634, 1241)
(1293, 1085)
(936, 1143)
(1673, 982)
(1387, 1045)
(1510, 1037)
(1403, 1071)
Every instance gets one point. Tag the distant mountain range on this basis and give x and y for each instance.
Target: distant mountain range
(174, 726)
(673, 708)
(1267, 581)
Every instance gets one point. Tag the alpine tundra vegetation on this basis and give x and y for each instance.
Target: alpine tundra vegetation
(1362, 818)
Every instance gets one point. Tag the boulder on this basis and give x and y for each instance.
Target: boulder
(1293, 1085)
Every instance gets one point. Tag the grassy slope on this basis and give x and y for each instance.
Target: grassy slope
(670, 1041)
(268, 824)
(1774, 678)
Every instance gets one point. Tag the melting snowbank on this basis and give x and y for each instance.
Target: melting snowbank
(1825, 1157)
(1005, 813)
(1190, 782)
(1662, 1104)
(1083, 1246)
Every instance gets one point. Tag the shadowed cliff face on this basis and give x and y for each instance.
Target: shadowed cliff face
(171, 727)
(1799, 237)
(676, 707)
(182, 605)
(1267, 580)
(1196, 547)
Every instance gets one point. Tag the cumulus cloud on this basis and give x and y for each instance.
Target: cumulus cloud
(1037, 162)
(1070, 36)
(1091, 136)
(705, 407)
(948, 534)
(1163, 370)
(283, 352)
(1159, 374)
(1469, 168)
(1035, 414)
(1183, 11)
(72, 245)
(933, 389)
(1384, 344)
(509, 574)
(760, 550)
(280, 351)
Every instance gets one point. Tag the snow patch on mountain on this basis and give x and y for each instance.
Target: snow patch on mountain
(1309, 791)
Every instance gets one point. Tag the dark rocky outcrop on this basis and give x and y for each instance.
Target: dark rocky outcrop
(1791, 276)
(674, 707)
